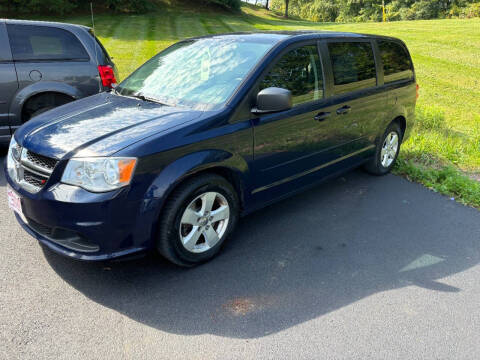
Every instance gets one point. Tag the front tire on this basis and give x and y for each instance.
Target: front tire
(197, 219)
(387, 151)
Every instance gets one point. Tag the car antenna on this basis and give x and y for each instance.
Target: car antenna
(95, 47)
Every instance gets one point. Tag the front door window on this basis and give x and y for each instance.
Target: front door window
(299, 71)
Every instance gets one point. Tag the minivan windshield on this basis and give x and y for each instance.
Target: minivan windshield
(200, 74)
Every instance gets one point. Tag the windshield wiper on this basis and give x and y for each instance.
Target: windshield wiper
(146, 98)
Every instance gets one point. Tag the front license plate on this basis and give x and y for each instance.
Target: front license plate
(15, 201)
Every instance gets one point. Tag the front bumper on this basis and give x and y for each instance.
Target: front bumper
(83, 225)
(59, 249)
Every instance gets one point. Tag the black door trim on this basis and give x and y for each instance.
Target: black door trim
(312, 170)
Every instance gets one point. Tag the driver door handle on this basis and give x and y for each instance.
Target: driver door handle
(344, 110)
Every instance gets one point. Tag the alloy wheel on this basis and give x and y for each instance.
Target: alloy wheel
(389, 149)
(204, 222)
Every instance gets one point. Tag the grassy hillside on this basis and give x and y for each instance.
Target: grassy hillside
(446, 54)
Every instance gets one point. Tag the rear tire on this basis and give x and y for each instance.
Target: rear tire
(386, 152)
(197, 219)
(40, 111)
(42, 102)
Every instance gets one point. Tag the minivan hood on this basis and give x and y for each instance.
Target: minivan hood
(99, 125)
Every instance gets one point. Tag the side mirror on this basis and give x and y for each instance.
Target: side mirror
(273, 99)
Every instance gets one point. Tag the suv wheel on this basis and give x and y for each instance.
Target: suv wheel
(197, 219)
(43, 102)
(41, 111)
(387, 152)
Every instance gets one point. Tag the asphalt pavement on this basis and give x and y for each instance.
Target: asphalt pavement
(360, 267)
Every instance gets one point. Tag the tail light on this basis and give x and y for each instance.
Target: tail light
(107, 75)
(418, 91)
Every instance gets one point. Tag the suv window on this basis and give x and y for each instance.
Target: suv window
(29, 42)
(104, 51)
(4, 48)
(396, 61)
(353, 66)
(299, 71)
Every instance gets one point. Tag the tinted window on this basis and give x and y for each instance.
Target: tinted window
(5, 54)
(396, 61)
(44, 43)
(299, 71)
(106, 56)
(353, 66)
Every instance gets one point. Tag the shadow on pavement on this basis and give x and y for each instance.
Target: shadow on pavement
(295, 261)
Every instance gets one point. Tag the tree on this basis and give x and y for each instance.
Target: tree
(266, 4)
(286, 8)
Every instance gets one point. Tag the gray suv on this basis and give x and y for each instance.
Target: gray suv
(44, 65)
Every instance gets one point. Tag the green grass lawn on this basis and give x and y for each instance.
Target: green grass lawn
(445, 143)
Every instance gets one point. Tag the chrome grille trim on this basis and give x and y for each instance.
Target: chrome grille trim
(37, 162)
(33, 170)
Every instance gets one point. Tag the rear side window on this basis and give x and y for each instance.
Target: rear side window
(5, 54)
(32, 43)
(353, 66)
(299, 71)
(396, 61)
(104, 51)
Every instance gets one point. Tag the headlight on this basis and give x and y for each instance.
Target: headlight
(99, 174)
(13, 157)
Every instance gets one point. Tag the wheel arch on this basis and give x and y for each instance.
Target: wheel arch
(229, 174)
(38, 97)
(402, 122)
(404, 115)
(230, 166)
(39, 88)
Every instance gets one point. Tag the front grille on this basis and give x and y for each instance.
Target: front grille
(34, 179)
(34, 170)
(41, 161)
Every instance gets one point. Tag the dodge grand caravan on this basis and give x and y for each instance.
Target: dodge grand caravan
(208, 130)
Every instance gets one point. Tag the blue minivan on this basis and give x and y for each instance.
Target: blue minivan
(208, 130)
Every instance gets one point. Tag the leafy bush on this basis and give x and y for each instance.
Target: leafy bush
(427, 9)
(68, 6)
(472, 11)
(42, 6)
(371, 10)
(137, 6)
(55, 6)
(229, 4)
